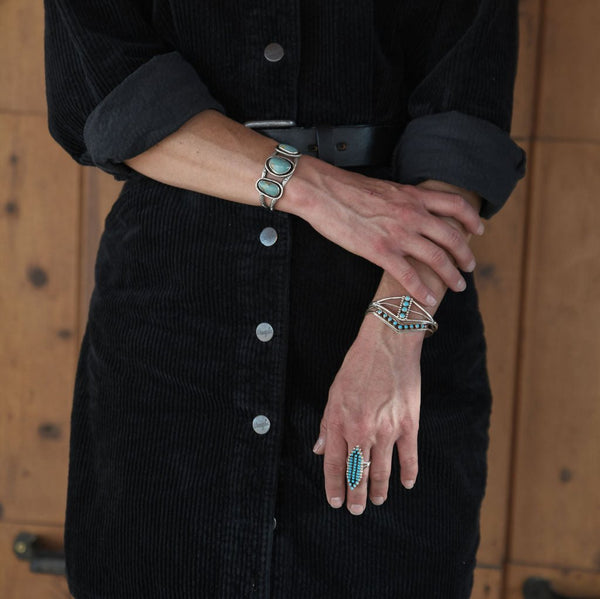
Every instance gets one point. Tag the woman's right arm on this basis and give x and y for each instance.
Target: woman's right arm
(120, 98)
(383, 221)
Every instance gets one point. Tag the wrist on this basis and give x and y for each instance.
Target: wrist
(373, 330)
(305, 192)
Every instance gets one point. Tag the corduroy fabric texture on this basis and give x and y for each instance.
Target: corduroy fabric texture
(172, 495)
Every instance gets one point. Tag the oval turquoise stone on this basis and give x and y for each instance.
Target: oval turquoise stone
(279, 166)
(269, 188)
(287, 148)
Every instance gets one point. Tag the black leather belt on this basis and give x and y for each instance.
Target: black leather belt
(352, 145)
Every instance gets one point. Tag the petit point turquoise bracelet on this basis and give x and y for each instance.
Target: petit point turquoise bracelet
(403, 313)
(278, 170)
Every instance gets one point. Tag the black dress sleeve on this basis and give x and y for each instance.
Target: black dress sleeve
(461, 65)
(114, 88)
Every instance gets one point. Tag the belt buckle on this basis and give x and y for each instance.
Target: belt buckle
(274, 124)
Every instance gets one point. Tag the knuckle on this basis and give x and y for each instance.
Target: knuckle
(379, 476)
(334, 469)
(387, 430)
(381, 245)
(409, 276)
(459, 202)
(439, 257)
(409, 461)
(403, 212)
(408, 424)
(455, 238)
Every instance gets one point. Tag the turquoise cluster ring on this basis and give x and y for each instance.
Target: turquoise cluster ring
(278, 170)
(355, 467)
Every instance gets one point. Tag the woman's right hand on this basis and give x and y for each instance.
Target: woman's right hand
(382, 221)
(386, 222)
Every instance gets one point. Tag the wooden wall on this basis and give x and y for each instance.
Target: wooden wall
(538, 276)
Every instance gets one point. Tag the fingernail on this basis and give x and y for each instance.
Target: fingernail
(409, 484)
(461, 285)
(356, 509)
(431, 301)
(480, 229)
(471, 266)
(336, 502)
(318, 445)
(378, 500)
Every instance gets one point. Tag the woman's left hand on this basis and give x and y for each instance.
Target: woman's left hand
(374, 403)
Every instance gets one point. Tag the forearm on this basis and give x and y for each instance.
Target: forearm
(210, 154)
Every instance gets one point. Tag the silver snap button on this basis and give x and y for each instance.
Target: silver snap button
(261, 425)
(268, 236)
(264, 331)
(274, 52)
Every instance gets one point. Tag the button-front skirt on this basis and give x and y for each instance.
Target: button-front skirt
(176, 492)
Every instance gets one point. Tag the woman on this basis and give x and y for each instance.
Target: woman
(224, 339)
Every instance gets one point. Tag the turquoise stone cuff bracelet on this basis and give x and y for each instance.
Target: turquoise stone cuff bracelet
(403, 313)
(278, 170)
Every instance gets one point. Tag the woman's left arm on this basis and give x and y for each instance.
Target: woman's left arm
(460, 58)
(375, 399)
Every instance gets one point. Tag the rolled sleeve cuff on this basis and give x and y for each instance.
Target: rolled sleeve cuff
(150, 104)
(462, 150)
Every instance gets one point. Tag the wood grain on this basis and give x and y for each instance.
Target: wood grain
(557, 487)
(22, 56)
(569, 103)
(487, 583)
(39, 222)
(525, 85)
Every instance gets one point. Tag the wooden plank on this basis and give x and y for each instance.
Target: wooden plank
(39, 220)
(100, 190)
(487, 583)
(568, 103)
(567, 582)
(498, 280)
(16, 580)
(556, 511)
(529, 23)
(22, 56)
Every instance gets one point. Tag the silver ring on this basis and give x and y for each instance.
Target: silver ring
(355, 466)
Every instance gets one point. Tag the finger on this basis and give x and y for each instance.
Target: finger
(438, 260)
(319, 446)
(379, 473)
(356, 499)
(408, 456)
(334, 467)
(448, 237)
(454, 205)
(409, 278)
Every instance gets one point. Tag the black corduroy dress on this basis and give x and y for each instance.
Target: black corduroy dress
(191, 472)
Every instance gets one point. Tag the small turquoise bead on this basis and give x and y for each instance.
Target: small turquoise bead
(269, 188)
(279, 166)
